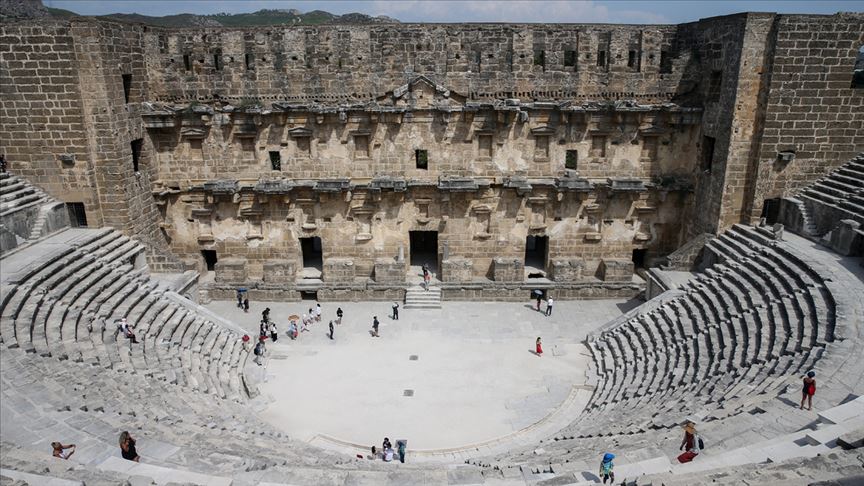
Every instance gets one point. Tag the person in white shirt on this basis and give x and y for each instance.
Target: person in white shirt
(549, 303)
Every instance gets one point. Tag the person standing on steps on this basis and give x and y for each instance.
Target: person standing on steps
(127, 448)
(395, 311)
(338, 315)
(809, 390)
(331, 330)
(606, 468)
(375, 324)
(539, 347)
(549, 303)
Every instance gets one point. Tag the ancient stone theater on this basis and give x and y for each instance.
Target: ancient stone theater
(713, 168)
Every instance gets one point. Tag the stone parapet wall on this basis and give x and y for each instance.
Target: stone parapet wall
(279, 271)
(567, 270)
(508, 270)
(339, 271)
(615, 270)
(457, 269)
(231, 270)
(389, 271)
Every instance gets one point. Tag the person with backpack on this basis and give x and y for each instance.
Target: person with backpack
(809, 389)
(606, 468)
(259, 351)
(691, 444)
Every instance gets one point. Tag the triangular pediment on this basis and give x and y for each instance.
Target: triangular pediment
(421, 92)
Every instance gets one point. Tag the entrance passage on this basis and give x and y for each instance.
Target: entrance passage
(536, 252)
(313, 262)
(424, 249)
(209, 259)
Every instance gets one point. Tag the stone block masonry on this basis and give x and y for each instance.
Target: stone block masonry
(474, 146)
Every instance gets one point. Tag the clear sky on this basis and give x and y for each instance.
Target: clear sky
(612, 11)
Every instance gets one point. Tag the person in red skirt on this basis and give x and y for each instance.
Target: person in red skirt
(539, 349)
(809, 390)
(689, 444)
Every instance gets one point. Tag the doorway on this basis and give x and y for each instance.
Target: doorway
(423, 249)
(771, 210)
(209, 259)
(313, 261)
(639, 258)
(536, 253)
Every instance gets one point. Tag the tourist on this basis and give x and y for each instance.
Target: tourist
(245, 340)
(304, 323)
(292, 330)
(395, 311)
(375, 326)
(809, 390)
(425, 271)
(273, 330)
(59, 448)
(127, 330)
(400, 444)
(259, 351)
(338, 315)
(386, 444)
(539, 347)
(606, 468)
(246, 304)
(539, 299)
(239, 299)
(689, 443)
(266, 314)
(127, 447)
(426, 279)
(549, 303)
(262, 329)
(317, 312)
(331, 330)
(388, 454)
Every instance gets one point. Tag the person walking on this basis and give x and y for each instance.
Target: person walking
(375, 326)
(395, 311)
(606, 468)
(549, 303)
(331, 330)
(246, 305)
(266, 314)
(259, 351)
(127, 447)
(292, 330)
(809, 390)
(539, 347)
(338, 315)
(689, 444)
(427, 277)
(317, 312)
(239, 299)
(273, 331)
(304, 323)
(400, 445)
(59, 448)
(539, 299)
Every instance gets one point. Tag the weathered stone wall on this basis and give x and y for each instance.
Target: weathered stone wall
(327, 63)
(810, 108)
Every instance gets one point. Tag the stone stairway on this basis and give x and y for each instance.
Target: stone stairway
(418, 298)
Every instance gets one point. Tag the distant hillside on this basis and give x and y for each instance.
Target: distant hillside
(261, 17)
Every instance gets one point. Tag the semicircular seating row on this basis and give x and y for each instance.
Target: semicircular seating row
(17, 194)
(65, 306)
(842, 190)
(733, 334)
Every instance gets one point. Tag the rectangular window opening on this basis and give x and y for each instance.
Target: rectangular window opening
(217, 61)
(421, 158)
(127, 86)
(77, 214)
(665, 62)
(275, 160)
(633, 60)
(540, 58)
(187, 62)
(136, 152)
(250, 60)
(601, 58)
(569, 58)
(707, 153)
(571, 160)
